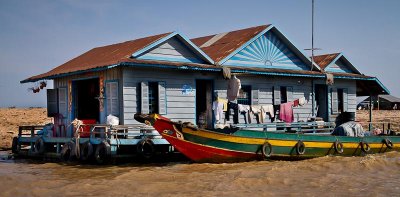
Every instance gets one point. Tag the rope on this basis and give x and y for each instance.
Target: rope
(77, 124)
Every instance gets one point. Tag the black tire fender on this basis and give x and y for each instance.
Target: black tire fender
(338, 146)
(15, 145)
(388, 143)
(102, 154)
(146, 148)
(266, 150)
(39, 146)
(365, 147)
(300, 147)
(86, 150)
(66, 152)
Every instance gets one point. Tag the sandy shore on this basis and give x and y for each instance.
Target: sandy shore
(12, 118)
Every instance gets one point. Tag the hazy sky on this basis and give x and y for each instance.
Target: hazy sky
(36, 36)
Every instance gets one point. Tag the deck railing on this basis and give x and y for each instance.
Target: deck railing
(295, 127)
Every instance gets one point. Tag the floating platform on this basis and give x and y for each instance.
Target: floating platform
(102, 144)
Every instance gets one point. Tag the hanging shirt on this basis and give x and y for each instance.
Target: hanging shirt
(224, 101)
(286, 112)
(302, 101)
(296, 103)
(218, 110)
(234, 86)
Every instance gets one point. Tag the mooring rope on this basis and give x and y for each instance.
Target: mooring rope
(77, 124)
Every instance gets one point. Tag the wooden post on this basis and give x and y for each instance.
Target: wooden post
(377, 100)
(370, 112)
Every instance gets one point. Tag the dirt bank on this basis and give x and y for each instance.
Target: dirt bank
(11, 118)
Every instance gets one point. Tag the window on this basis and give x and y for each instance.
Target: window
(112, 98)
(62, 101)
(244, 97)
(283, 94)
(153, 97)
(340, 100)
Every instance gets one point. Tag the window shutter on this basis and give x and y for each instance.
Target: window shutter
(289, 93)
(277, 95)
(144, 101)
(334, 100)
(52, 108)
(345, 100)
(162, 103)
(62, 101)
(254, 97)
(108, 98)
(112, 98)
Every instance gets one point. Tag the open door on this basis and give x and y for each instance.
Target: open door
(321, 99)
(86, 101)
(204, 95)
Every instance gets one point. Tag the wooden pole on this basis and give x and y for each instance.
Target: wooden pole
(370, 112)
(377, 100)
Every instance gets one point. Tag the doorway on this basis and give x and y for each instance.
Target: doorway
(321, 99)
(86, 101)
(204, 94)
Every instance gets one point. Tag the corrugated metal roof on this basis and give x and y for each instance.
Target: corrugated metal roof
(324, 60)
(101, 56)
(229, 42)
(390, 98)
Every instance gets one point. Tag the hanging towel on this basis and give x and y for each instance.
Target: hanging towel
(269, 109)
(302, 101)
(218, 110)
(286, 112)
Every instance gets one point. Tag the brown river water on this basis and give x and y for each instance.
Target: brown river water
(373, 175)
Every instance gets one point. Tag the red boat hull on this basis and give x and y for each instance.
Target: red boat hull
(202, 153)
(198, 152)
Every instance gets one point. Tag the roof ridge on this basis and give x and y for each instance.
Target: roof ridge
(234, 31)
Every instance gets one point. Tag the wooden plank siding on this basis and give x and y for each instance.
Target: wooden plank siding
(179, 106)
(172, 50)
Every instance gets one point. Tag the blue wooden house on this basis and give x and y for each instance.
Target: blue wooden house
(178, 77)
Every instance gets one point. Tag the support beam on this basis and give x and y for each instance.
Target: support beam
(370, 113)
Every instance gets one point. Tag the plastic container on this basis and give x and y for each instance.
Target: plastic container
(87, 126)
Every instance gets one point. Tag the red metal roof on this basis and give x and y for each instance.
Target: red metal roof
(218, 49)
(101, 56)
(228, 43)
(324, 60)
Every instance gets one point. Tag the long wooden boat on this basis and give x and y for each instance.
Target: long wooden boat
(202, 145)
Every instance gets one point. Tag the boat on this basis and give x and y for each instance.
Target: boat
(241, 144)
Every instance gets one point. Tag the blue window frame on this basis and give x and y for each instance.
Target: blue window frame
(244, 97)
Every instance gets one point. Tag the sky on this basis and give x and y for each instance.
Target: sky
(36, 36)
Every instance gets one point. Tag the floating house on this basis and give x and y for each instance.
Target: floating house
(179, 78)
(381, 102)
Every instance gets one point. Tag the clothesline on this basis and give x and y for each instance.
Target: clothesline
(221, 105)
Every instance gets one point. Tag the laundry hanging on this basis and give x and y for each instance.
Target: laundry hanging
(234, 86)
(286, 112)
